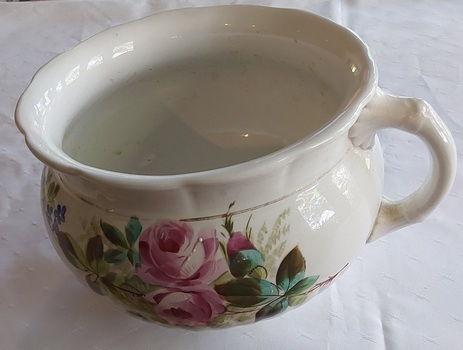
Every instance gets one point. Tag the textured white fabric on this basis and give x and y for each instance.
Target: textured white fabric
(404, 291)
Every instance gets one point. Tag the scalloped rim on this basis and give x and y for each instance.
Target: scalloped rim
(60, 161)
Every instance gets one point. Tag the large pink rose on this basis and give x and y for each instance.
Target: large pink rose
(171, 253)
(192, 306)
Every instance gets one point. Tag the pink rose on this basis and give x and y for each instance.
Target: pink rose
(243, 257)
(194, 306)
(171, 253)
(238, 242)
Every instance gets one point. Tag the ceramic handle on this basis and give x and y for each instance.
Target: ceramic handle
(419, 118)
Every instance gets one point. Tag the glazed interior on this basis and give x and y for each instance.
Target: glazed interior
(168, 95)
(231, 103)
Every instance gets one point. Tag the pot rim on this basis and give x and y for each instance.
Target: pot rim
(339, 125)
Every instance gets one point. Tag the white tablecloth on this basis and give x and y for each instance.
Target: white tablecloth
(404, 291)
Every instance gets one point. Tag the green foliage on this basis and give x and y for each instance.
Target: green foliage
(263, 232)
(223, 249)
(279, 230)
(94, 251)
(248, 288)
(248, 229)
(246, 292)
(244, 261)
(302, 286)
(133, 230)
(72, 251)
(104, 254)
(272, 309)
(115, 255)
(297, 300)
(98, 261)
(228, 222)
(93, 282)
(256, 283)
(258, 272)
(52, 191)
(125, 244)
(291, 270)
(114, 235)
(134, 258)
(275, 243)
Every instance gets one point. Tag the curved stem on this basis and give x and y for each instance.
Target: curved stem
(136, 292)
(325, 282)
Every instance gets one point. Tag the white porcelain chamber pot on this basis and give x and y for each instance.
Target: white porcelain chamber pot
(208, 167)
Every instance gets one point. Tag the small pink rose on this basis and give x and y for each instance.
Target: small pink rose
(171, 253)
(195, 306)
(243, 257)
(238, 242)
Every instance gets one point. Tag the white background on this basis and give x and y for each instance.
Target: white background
(404, 291)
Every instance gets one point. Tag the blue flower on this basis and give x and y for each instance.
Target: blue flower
(60, 212)
(55, 227)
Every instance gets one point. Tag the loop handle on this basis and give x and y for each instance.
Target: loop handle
(417, 117)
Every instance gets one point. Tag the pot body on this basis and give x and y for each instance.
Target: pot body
(252, 252)
(215, 166)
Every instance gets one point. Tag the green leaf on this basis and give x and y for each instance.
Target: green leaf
(134, 302)
(114, 278)
(272, 309)
(231, 205)
(302, 286)
(246, 292)
(102, 267)
(275, 242)
(133, 230)
(228, 224)
(223, 249)
(291, 270)
(263, 232)
(52, 191)
(72, 251)
(94, 251)
(138, 285)
(258, 272)
(223, 278)
(297, 300)
(134, 258)
(92, 281)
(279, 231)
(248, 229)
(55, 192)
(114, 235)
(115, 255)
(244, 261)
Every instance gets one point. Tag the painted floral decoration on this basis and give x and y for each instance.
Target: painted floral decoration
(172, 253)
(173, 273)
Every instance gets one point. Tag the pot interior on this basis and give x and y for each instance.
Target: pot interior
(167, 95)
(203, 112)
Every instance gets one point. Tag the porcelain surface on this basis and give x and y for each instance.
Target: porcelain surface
(217, 166)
